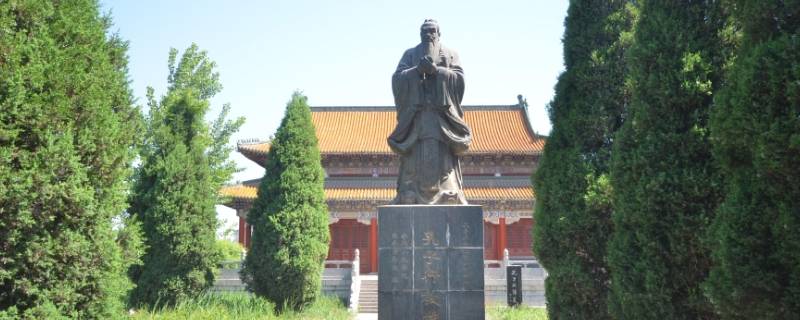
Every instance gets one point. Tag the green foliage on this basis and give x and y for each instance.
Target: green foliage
(230, 250)
(663, 175)
(184, 163)
(756, 131)
(289, 217)
(130, 239)
(67, 131)
(223, 306)
(501, 312)
(573, 209)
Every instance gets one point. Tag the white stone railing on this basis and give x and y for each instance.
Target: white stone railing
(355, 283)
(338, 264)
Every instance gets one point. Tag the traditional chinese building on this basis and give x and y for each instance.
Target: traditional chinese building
(361, 173)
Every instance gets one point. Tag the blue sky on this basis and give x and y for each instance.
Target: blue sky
(342, 52)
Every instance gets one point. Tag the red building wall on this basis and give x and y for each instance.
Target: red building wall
(346, 236)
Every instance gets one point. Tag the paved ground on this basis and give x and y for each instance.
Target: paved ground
(367, 316)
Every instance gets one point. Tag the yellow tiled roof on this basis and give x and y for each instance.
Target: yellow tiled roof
(256, 148)
(239, 192)
(350, 131)
(243, 192)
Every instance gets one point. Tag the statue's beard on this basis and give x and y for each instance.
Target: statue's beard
(431, 49)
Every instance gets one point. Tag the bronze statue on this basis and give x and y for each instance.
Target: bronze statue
(428, 86)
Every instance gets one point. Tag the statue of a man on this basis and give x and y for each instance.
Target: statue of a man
(428, 86)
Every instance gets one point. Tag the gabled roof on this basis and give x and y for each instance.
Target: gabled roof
(498, 129)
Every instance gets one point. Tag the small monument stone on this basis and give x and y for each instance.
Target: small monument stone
(514, 285)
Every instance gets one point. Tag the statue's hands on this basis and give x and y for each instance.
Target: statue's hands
(426, 65)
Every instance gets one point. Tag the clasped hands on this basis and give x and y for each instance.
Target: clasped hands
(426, 66)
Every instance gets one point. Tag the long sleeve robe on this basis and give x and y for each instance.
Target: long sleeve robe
(431, 131)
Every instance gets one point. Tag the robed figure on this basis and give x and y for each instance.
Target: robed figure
(431, 133)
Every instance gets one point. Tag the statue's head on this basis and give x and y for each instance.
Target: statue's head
(429, 31)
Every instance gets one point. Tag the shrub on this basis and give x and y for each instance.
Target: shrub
(67, 131)
(756, 131)
(289, 217)
(663, 175)
(573, 212)
(184, 163)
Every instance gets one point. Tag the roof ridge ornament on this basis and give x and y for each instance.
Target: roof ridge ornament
(522, 102)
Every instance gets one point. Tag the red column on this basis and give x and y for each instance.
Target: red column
(373, 245)
(242, 230)
(501, 238)
(248, 233)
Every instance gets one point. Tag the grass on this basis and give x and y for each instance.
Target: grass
(501, 312)
(241, 305)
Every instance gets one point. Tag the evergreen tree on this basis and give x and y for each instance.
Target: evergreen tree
(67, 127)
(184, 163)
(289, 217)
(573, 213)
(756, 131)
(664, 178)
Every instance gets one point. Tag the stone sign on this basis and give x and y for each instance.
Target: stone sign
(514, 285)
(430, 262)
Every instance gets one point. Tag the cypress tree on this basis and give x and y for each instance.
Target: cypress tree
(289, 217)
(67, 127)
(756, 130)
(664, 178)
(184, 163)
(573, 213)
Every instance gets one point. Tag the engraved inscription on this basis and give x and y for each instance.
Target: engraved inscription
(428, 239)
(430, 306)
(466, 272)
(400, 268)
(429, 271)
(514, 283)
(400, 240)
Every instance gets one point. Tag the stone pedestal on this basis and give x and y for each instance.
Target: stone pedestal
(430, 262)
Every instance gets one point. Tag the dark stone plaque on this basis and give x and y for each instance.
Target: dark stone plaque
(466, 304)
(430, 272)
(430, 262)
(395, 304)
(465, 274)
(514, 285)
(399, 262)
(428, 305)
(463, 232)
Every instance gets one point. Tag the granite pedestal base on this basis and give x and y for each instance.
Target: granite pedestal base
(430, 262)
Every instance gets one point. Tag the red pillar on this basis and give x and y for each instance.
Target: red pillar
(242, 230)
(501, 238)
(373, 245)
(247, 235)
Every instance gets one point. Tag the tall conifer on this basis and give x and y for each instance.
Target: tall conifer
(289, 217)
(67, 127)
(184, 163)
(756, 130)
(663, 175)
(573, 193)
